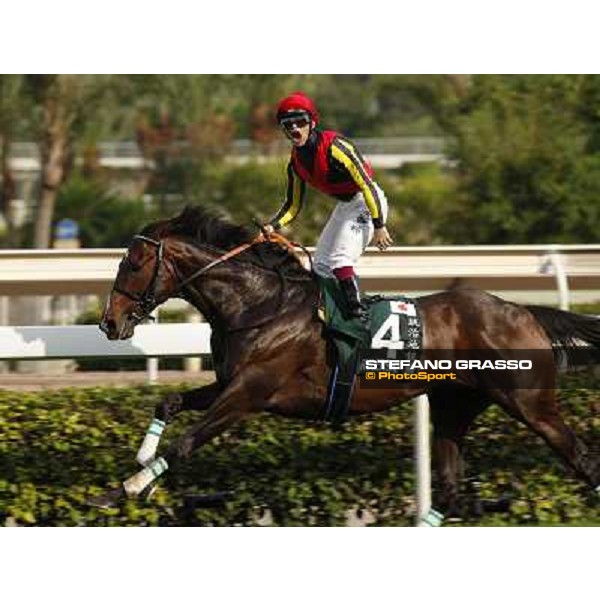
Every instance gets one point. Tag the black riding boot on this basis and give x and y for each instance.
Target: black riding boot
(354, 307)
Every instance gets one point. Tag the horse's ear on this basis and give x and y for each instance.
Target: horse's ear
(187, 209)
(186, 217)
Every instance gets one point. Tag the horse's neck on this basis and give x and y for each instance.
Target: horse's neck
(236, 295)
(232, 295)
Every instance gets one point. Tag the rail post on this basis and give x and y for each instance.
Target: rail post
(422, 452)
(555, 263)
(152, 363)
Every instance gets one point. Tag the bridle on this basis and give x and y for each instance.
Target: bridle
(146, 300)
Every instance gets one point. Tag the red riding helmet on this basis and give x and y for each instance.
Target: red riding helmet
(297, 102)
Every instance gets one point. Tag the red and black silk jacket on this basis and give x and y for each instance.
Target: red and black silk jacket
(333, 165)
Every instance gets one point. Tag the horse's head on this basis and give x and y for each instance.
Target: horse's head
(144, 281)
(174, 257)
(159, 260)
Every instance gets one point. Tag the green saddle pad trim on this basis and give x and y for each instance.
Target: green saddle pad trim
(350, 336)
(333, 302)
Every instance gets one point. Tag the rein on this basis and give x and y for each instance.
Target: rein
(260, 238)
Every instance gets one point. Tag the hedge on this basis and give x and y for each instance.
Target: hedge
(59, 448)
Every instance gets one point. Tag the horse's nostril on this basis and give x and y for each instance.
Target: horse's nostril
(108, 326)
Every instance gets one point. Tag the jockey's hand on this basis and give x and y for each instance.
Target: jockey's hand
(382, 238)
(268, 229)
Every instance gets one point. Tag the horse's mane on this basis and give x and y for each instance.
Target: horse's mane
(204, 226)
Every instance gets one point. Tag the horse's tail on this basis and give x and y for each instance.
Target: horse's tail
(577, 336)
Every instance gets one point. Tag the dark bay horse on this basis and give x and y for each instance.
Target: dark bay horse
(269, 353)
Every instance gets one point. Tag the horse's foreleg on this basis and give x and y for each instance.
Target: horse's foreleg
(228, 410)
(168, 409)
(196, 399)
(449, 465)
(453, 411)
(237, 401)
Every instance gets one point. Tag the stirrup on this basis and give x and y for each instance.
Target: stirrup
(358, 312)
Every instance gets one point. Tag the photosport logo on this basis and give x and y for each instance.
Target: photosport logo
(506, 369)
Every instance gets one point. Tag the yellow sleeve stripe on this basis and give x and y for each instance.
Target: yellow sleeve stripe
(291, 213)
(297, 193)
(293, 203)
(344, 152)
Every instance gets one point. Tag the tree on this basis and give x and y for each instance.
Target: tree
(524, 149)
(11, 99)
(65, 108)
(105, 220)
(54, 95)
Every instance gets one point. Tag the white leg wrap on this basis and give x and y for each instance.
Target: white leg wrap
(148, 448)
(141, 480)
(598, 490)
(432, 519)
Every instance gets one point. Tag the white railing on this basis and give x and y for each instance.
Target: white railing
(87, 341)
(557, 270)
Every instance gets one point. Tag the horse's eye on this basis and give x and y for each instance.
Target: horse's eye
(130, 264)
(135, 267)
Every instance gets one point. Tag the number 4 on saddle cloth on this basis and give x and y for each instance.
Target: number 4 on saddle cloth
(392, 323)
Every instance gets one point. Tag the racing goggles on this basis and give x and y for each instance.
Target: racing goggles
(299, 121)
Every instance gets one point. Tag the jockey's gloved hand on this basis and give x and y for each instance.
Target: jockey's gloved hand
(268, 229)
(382, 238)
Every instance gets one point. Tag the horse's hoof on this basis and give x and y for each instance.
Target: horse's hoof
(149, 491)
(107, 499)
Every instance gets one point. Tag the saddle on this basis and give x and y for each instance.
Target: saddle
(392, 323)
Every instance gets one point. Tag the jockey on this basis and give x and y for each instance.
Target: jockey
(333, 165)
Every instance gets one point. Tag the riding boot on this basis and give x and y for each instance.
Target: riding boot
(354, 306)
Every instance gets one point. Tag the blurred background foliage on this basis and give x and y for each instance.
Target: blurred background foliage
(523, 151)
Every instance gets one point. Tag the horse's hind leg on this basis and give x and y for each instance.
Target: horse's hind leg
(538, 409)
(167, 409)
(453, 411)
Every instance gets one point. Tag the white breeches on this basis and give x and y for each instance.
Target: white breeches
(347, 233)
